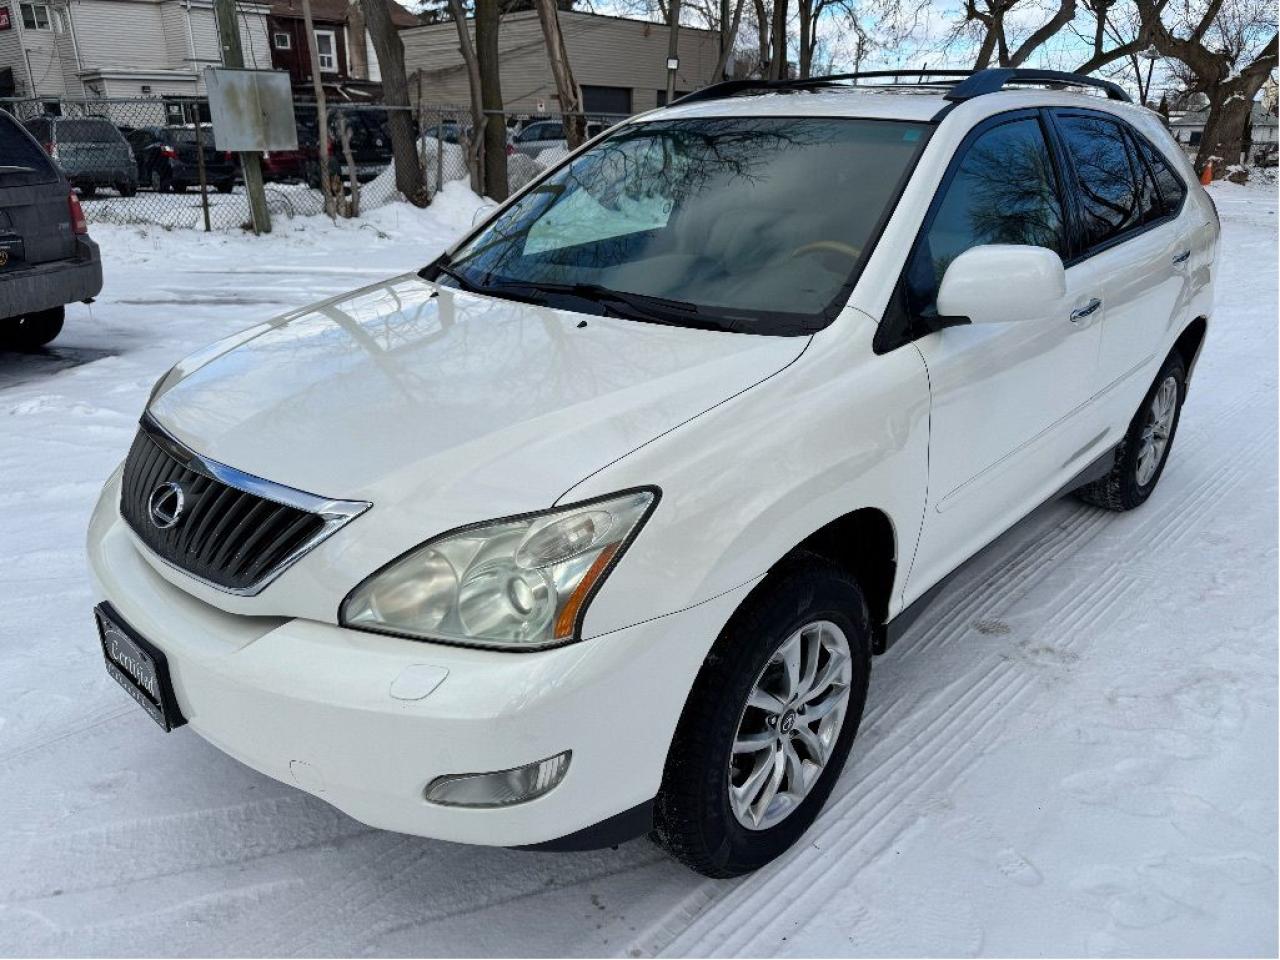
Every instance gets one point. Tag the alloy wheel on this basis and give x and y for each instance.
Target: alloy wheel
(1156, 430)
(789, 725)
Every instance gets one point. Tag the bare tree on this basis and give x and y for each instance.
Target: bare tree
(992, 20)
(322, 115)
(475, 140)
(488, 18)
(575, 122)
(1229, 48)
(778, 52)
(395, 94)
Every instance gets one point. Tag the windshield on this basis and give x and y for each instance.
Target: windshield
(87, 131)
(752, 224)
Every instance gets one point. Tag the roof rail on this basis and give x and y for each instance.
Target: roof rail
(961, 84)
(727, 88)
(994, 79)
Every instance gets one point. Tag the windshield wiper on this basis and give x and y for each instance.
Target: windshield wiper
(631, 306)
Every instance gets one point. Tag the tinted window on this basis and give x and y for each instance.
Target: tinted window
(21, 159)
(1107, 191)
(756, 223)
(87, 131)
(1149, 206)
(1172, 189)
(1003, 192)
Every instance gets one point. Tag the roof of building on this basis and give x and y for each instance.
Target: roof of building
(335, 11)
(570, 15)
(1259, 116)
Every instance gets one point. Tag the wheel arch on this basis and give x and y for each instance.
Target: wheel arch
(864, 544)
(1190, 342)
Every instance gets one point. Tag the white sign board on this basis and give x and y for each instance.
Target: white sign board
(251, 110)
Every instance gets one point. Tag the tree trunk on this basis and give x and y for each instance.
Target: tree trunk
(1223, 140)
(778, 56)
(322, 116)
(805, 10)
(729, 39)
(762, 38)
(488, 17)
(575, 123)
(475, 142)
(395, 94)
(357, 51)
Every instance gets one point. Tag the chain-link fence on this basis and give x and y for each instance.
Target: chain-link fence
(156, 160)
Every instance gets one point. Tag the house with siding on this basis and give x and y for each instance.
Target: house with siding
(348, 64)
(119, 48)
(621, 64)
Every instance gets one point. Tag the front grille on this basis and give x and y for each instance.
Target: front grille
(225, 533)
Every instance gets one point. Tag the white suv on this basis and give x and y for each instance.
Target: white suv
(593, 527)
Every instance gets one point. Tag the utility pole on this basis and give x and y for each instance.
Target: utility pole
(250, 162)
(673, 50)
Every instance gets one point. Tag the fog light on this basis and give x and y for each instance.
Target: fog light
(501, 788)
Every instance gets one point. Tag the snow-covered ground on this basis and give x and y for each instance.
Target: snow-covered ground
(1073, 752)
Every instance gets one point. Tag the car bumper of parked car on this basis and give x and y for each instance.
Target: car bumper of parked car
(355, 718)
(28, 289)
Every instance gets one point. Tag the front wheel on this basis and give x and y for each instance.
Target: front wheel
(1142, 454)
(769, 722)
(32, 331)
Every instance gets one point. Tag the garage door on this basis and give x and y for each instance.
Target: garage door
(606, 99)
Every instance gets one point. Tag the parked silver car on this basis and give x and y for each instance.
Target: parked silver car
(541, 135)
(90, 151)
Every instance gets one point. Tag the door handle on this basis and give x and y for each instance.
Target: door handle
(1088, 310)
(1181, 257)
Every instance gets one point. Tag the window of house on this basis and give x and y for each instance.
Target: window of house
(327, 50)
(282, 40)
(1003, 191)
(1193, 138)
(1110, 199)
(35, 16)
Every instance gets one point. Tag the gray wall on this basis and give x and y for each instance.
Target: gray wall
(603, 51)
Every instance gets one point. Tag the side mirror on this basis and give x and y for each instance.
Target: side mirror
(1000, 282)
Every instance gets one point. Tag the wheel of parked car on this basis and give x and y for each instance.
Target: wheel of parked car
(769, 723)
(88, 190)
(33, 330)
(177, 187)
(1142, 454)
(127, 189)
(226, 186)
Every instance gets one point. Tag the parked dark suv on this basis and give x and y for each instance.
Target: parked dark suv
(46, 257)
(90, 151)
(168, 159)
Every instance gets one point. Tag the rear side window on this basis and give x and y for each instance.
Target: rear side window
(21, 158)
(1108, 192)
(87, 131)
(1003, 191)
(1172, 189)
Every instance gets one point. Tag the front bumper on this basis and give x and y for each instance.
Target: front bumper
(29, 289)
(322, 707)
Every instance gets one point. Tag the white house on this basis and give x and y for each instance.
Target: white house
(118, 48)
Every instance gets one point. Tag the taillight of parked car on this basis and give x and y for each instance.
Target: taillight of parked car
(51, 149)
(79, 225)
(169, 153)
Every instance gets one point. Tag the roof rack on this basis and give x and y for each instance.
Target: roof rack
(960, 84)
(995, 78)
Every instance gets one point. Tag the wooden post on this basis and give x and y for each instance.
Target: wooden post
(250, 161)
(673, 49)
(204, 180)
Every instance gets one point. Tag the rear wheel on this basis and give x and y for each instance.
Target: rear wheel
(126, 189)
(32, 331)
(88, 190)
(1142, 454)
(769, 722)
(226, 186)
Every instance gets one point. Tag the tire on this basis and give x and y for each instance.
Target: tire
(226, 186)
(177, 186)
(1132, 477)
(694, 818)
(127, 189)
(88, 190)
(32, 331)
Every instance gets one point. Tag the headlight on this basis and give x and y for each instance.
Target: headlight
(524, 582)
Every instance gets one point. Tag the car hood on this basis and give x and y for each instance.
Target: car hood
(451, 406)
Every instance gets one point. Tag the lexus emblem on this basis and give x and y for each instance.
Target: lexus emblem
(166, 504)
